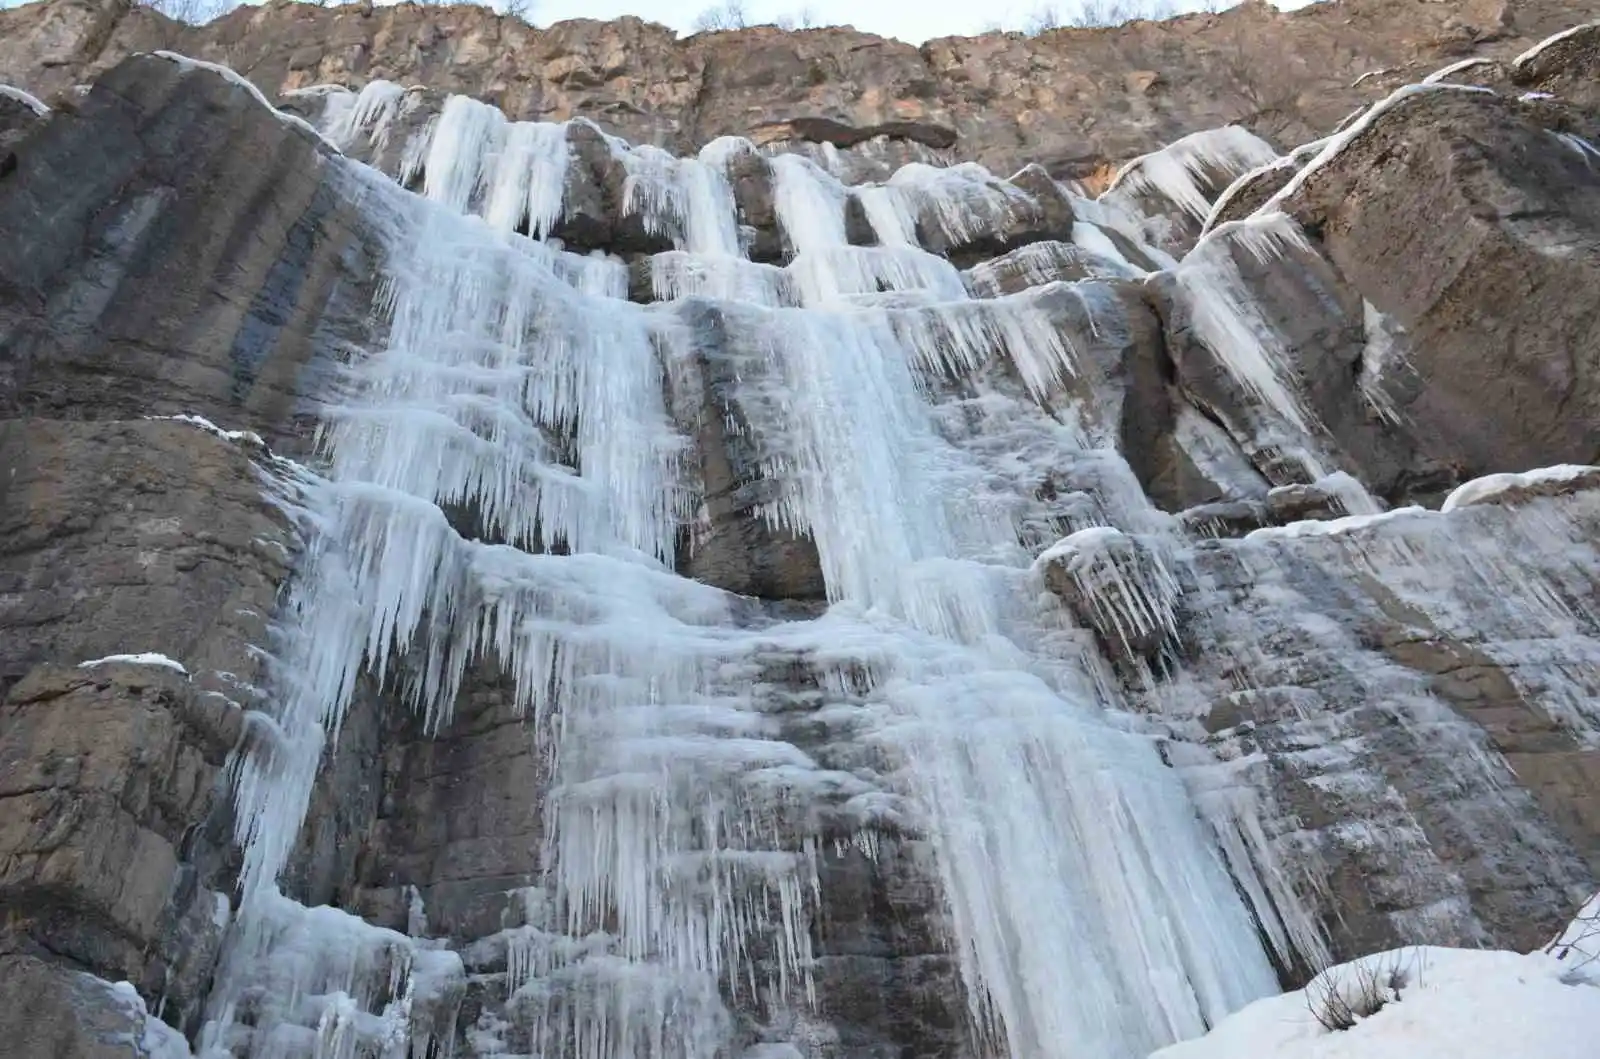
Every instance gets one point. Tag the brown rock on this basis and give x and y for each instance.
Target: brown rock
(1072, 100)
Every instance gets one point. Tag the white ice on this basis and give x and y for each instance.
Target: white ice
(501, 482)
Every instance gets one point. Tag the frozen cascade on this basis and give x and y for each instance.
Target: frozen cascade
(501, 482)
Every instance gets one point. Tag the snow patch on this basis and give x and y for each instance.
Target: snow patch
(143, 658)
(247, 436)
(1491, 487)
(1440, 1004)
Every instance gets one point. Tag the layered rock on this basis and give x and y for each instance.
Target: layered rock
(1078, 102)
(1383, 719)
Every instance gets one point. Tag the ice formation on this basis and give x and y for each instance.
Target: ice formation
(501, 481)
(1174, 170)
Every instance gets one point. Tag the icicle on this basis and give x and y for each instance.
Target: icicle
(1227, 319)
(372, 112)
(1172, 171)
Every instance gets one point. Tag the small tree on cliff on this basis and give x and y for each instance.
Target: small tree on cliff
(727, 15)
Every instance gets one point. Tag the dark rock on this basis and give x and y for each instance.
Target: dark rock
(732, 545)
(186, 269)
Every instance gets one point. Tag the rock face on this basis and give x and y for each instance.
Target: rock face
(760, 603)
(1078, 102)
(173, 278)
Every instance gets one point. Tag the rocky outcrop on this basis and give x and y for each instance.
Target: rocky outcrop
(1077, 102)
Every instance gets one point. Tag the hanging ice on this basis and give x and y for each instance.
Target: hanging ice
(502, 484)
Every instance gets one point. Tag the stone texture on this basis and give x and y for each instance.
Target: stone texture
(122, 538)
(58, 1014)
(168, 277)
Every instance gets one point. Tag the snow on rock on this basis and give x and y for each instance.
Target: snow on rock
(1116, 585)
(1494, 487)
(144, 658)
(31, 102)
(235, 78)
(1556, 38)
(1332, 527)
(1445, 73)
(153, 1039)
(248, 437)
(1293, 159)
(1336, 144)
(1439, 1004)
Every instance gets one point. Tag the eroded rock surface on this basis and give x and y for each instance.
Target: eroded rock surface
(1077, 102)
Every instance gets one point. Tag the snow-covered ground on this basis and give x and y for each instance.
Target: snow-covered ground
(1450, 1004)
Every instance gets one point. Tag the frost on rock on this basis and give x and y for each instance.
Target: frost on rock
(1215, 156)
(18, 95)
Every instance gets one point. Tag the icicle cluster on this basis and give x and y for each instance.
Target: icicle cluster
(503, 483)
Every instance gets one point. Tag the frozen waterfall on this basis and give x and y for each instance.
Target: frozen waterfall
(501, 482)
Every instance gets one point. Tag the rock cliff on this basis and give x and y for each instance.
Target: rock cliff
(1077, 102)
(471, 583)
